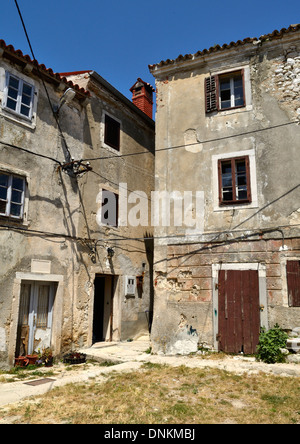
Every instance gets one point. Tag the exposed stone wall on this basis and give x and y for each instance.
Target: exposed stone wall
(283, 82)
(189, 275)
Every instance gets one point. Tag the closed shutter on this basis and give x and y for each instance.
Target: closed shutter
(211, 95)
(293, 282)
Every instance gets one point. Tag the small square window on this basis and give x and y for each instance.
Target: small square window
(234, 181)
(112, 132)
(12, 196)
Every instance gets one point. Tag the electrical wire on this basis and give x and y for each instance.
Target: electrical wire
(43, 82)
(120, 156)
(30, 152)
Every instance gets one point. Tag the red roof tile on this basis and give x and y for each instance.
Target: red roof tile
(11, 53)
(274, 35)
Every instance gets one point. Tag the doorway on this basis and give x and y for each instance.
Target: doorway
(103, 308)
(35, 317)
(238, 311)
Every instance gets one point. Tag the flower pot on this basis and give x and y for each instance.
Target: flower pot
(75, 358)
(32, 359)
(21, 361)
(49, 362)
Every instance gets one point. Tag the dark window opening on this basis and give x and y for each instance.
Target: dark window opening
(112, 132)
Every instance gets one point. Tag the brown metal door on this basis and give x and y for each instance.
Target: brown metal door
(239, 318)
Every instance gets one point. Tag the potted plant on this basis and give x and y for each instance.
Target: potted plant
(74, 358)
(46, 357)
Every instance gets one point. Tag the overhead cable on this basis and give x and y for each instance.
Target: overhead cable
(119, 156)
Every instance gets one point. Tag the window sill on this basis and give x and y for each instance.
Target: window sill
(236, 203)
(112, 150)
(229, 111)
(7, 221)
(10, 115)
(241, 206)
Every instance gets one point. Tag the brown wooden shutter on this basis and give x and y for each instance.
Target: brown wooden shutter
(249, 198)
(211, 95)
(220, 180)
(293, 282)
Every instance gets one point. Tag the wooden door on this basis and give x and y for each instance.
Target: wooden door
(293, 282)
(239, 315)
(35, 317)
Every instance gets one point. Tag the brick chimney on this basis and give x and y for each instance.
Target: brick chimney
(142, 96)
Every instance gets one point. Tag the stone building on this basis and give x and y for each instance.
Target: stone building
(68, 275)
(227, 253)
(117, 286)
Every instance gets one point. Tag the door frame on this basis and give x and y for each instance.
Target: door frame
(108, 299)
(261, 268)
(57, 310)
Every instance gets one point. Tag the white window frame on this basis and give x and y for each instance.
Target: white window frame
(9, 201)
(232, 95)
(19, 98)
(247, 90)
(12, 171)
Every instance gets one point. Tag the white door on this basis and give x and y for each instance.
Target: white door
(35, 316)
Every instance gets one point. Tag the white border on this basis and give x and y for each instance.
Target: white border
(29, 123)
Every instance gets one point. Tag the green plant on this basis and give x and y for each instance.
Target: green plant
(45, 356)
(270, 344)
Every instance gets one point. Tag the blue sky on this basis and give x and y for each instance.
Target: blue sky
(119, 39)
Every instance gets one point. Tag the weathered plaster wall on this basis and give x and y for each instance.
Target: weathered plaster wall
(184, 281)
(52, 206)
(134, 173)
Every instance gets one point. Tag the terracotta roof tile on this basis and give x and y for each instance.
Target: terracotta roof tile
(212, 49)
(18, 55)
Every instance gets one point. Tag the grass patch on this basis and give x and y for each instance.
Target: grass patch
(159, 394)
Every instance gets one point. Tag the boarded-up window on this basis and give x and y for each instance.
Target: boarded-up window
(293, 282)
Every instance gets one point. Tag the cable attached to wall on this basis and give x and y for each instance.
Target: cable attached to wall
(69, 157)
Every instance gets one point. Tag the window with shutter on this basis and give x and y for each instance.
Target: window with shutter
(293, 282)
(225, 91)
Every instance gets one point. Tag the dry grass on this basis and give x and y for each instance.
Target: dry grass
(166, 395)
